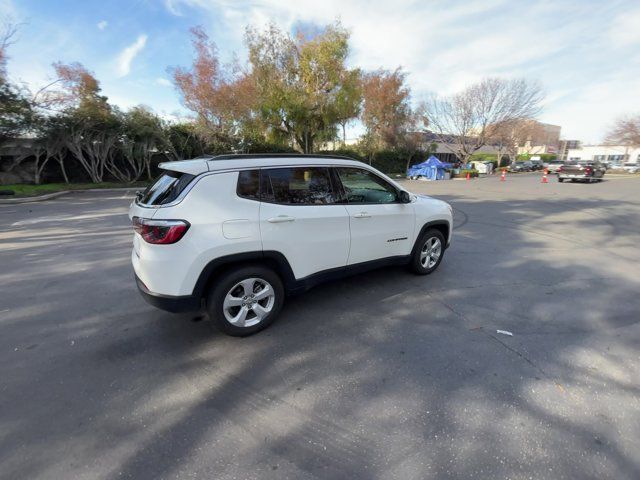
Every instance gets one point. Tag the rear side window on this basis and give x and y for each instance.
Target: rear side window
(167, 188)
(297, 186)
(249, 184)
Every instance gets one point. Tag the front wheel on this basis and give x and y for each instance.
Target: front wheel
(560, 180)
(245, 300)
(429, 252)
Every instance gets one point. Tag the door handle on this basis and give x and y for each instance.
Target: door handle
(362, 215)
(281, 219)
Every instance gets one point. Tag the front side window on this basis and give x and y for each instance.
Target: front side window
(362, 186)
(297, 186)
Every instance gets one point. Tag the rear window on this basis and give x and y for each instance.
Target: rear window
(167, 188)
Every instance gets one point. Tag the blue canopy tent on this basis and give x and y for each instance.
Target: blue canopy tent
(432, 168)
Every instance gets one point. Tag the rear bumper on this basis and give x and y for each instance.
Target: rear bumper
(575, 176)
(169, 303)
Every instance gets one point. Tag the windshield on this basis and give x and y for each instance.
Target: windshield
(166, 189)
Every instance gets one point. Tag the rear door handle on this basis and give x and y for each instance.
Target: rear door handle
(281, 219)
(362, 215)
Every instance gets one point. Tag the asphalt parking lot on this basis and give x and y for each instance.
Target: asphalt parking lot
(380, 376)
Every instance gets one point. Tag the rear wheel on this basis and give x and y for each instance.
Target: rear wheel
(560, 179)
(245, 300)
(429, 252)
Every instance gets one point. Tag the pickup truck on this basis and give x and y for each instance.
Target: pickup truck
(586, 172)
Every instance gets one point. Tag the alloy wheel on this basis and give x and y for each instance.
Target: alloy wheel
(430, 253)
(248, 302)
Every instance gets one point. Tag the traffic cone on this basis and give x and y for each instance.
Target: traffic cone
(503, 176)
(468, 176)
(544, 177)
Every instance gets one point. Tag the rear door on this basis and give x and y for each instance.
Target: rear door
(381, 226)
(301, 217)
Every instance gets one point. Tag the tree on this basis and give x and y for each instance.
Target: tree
(52, 135)
(348, 100)
(386, 112)
(222, 98)
(507, 136)
(298, 82)
(15, 109)
(87, 121)
(625, 131)
(142, 136)
(16, 113)
(463, 121)
(8, 31)
(183, 141)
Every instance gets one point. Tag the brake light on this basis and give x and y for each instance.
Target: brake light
(587, 170)
(559, 169)
(160, 232)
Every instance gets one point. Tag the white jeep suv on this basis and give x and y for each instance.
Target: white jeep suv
(236, 233)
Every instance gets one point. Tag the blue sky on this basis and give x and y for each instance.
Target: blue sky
(586, 54)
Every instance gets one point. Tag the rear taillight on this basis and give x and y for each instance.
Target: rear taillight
(160, 232)
(587, 170)
(559, 169)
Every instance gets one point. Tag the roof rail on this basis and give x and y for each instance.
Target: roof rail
(234, 156)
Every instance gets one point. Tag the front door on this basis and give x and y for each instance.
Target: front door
(381, 226)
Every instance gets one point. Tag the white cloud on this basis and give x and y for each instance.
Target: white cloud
(625, 29)
(444, 45)
(127, 56)
(102, 24)
(171, 5)
(7, 9)
(163, 81)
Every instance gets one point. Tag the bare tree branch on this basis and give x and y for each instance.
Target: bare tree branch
(463, 121)
(625, 131)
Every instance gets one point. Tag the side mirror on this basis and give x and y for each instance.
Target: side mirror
(405, 197)
(139, 194)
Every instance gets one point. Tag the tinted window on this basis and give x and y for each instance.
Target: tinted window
(249, 184)
(362, 186)
(297, 186)
(167, 188)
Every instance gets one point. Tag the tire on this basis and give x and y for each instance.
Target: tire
(423, 262)
(231, 298)
(560, 180)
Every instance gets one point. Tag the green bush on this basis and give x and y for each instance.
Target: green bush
(346, 152)
(463, 173)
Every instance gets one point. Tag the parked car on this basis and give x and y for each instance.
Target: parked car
(536, 164)
(525, 166)
(584, 171)
(235, 234)
(554, 165)
(631, 167)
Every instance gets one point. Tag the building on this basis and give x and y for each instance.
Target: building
(544, 138)
(565, 146)
(605, 153)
